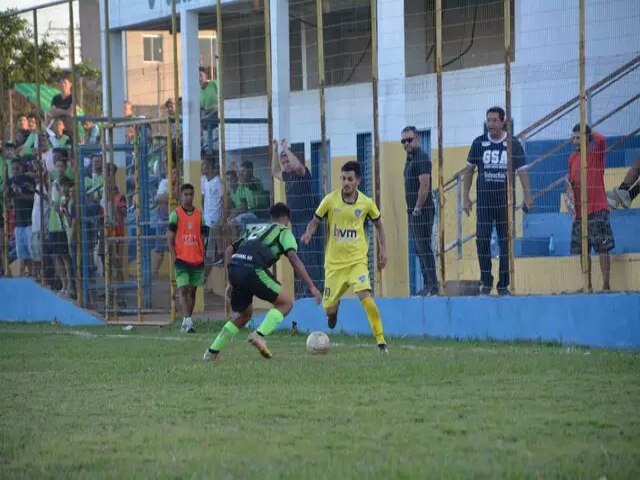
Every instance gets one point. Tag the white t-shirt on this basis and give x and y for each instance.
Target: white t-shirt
(212, 191)
(163, 187)
(35, 212)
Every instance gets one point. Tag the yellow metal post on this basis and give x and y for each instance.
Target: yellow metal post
(78, 161)
(586, 264)
(107, 160)
(268, 67)
(176, 85)
(221, 135)
(321, 81)
(172, 281)
(105, 233)
(41, 178)
(510, 176)
(5, 177)
(138, 204)
(441, 221)
(379, 287)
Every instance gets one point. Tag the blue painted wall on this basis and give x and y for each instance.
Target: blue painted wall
(538, 227)
(23, 300)
(607, 320)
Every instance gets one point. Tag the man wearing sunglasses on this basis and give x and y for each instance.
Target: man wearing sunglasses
(417, 185)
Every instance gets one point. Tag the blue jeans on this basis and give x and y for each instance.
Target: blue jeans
(245, 219)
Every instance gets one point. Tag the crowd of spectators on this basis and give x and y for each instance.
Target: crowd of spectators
(41, 193)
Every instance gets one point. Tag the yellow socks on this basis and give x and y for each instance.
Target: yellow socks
(373, 314)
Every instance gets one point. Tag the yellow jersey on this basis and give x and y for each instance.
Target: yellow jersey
(348, 244)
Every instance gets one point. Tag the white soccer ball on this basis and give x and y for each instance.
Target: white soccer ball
(318, 343)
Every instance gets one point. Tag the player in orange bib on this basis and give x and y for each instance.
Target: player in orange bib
(346, 260)
(186, 234)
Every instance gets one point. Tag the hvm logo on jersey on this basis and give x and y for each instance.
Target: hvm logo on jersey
(345, 234)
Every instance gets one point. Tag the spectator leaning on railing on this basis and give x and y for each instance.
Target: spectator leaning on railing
(252, 197)
(600, 235)
(488, 154)
(208, 93)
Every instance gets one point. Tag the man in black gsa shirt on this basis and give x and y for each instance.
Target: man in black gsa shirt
(417, 186)
(489, 154)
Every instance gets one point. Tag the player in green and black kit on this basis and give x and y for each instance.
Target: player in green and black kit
(248, 261)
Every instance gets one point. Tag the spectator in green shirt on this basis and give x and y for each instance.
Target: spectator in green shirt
(8, 155)
(235, 202)
(208, 94)
(252, 199)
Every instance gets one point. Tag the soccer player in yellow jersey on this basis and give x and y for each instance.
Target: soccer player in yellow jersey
(346, 263)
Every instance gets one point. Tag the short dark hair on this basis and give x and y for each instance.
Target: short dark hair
(203, 70)
(248, 164)
(32, 115)
(186, 186)
(576, 129)
(111, 168)
(498, 110)
(410, 128)
(351, 166)
(60, 156)
(279, 210)
(232, 173)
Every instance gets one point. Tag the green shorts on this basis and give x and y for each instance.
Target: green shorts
(189, 277)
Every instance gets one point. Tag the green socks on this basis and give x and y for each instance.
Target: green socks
(268, 325)
(270, 322)
(226, 334)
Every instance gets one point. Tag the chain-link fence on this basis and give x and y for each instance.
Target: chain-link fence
(474, 199)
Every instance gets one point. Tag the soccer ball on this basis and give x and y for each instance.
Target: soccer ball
(318, 343)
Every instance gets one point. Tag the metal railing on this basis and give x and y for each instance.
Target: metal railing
(455, 181)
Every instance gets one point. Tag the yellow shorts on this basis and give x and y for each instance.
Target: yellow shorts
(336, 282)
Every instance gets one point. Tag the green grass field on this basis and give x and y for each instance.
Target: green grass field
(101, 402)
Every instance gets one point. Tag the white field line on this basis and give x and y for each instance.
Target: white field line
(426, 347)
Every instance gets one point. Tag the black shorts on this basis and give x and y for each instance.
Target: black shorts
(600, 235)
(58, 243)
(248, 282)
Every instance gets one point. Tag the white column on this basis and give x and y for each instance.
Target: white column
(281, 83)
(118, 79)
(391, 68)
(190, 91)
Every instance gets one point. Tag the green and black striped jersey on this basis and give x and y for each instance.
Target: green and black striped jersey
(262, 245)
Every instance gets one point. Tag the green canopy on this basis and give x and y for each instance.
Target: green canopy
(28, 90)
